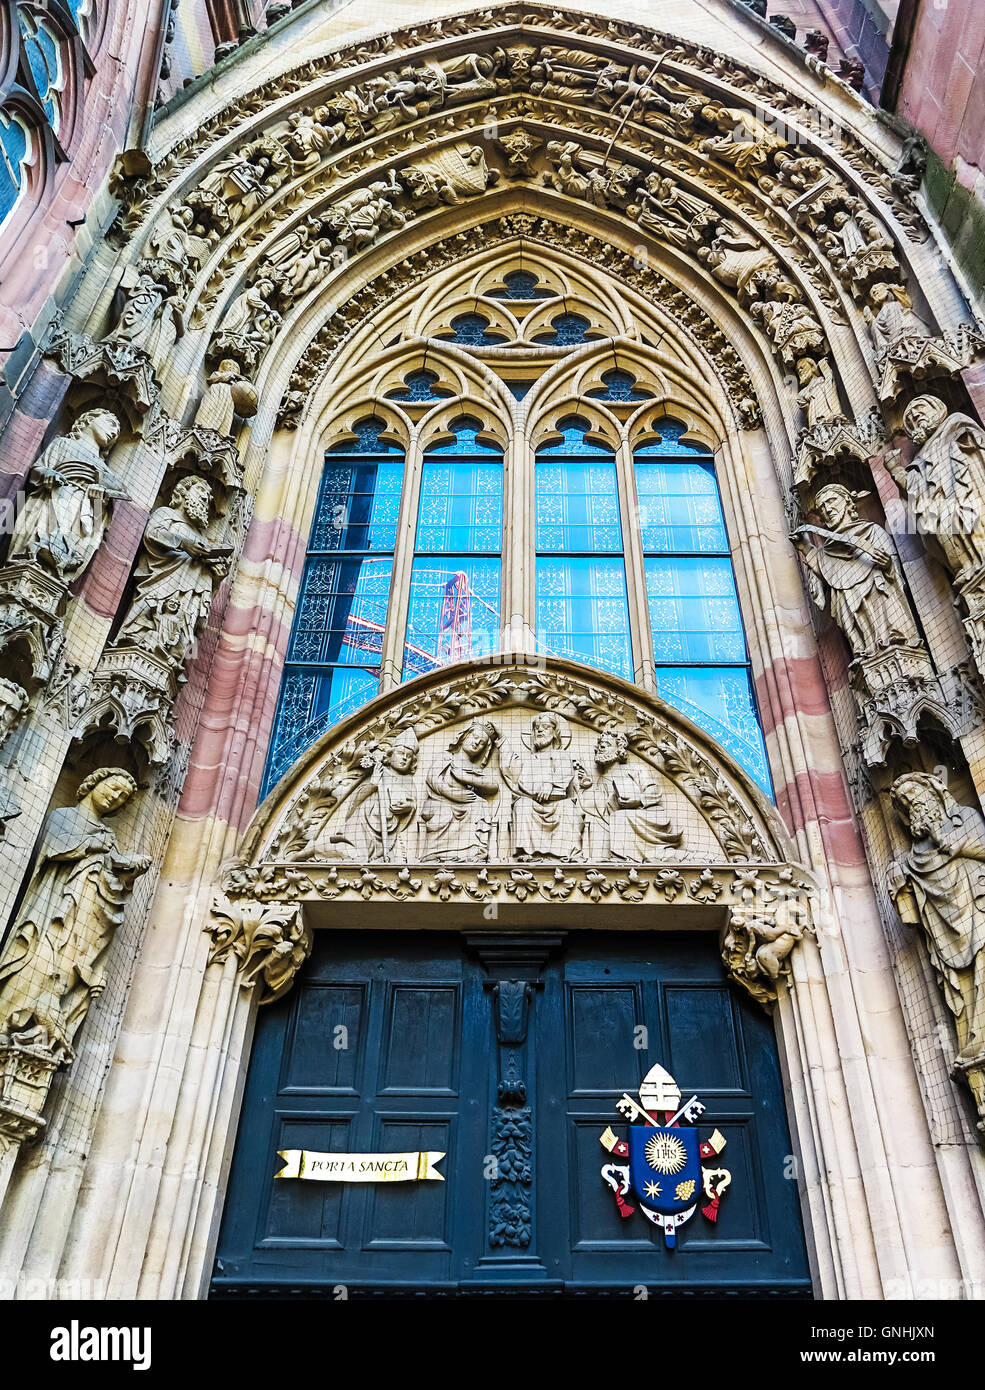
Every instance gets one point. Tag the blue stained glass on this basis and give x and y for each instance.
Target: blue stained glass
(461, 507)
(572, 441)
(679, 508)
(44, 60)
(358, 505)
(720, 701)
(13, 151)
(694, 610)
(577, 507)
(670, 442)
(420, 386)
(619, 386)
(466, 441)
(521, 284)
(566, 330)
(473, 330)
(342, 612)
(454, 612)
(583, 612)
(310, 703)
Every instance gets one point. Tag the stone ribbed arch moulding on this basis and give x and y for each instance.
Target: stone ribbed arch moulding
(514, 790)
(274, 215)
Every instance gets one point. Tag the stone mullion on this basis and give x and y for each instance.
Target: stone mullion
(644, 669)
(391, 657)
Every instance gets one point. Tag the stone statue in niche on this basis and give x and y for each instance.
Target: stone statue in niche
(179, 570)
(250, 323)
(14, 700)
(945, 483)
(51, 966)
(896, 328)
(381, 823)
(939, 883)
(65, 515)
(546, 820)
(625, 815)
(174, 249)
(228, 394)
(855, 561)
(792, 328)
(246, 179)
(458, 815)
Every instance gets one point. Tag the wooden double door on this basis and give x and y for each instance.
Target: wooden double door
(507, 1053)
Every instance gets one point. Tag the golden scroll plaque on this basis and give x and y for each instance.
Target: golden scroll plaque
(405, 1167)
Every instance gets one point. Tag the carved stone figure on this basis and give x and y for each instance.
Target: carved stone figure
(360, 217)
(818, 395)
(939, 883)
(546, 820)
(309, 135)
(945, 483)
(175, 251)
(741, 262)
(755, 950)
(51, 966)
(178, 572)
(227, 395)
(582, 174)
(447, 175)
(742, 140)
(856, 561)
(458, 815)
(625, 815)
(250, 323)
(302, 259)
(150, 319)
(792, 327)
(381, 823)
(14, 700)
(65, 515)
(662, 206)
(246, 179)
(896, 329)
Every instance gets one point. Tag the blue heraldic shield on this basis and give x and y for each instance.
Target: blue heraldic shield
(665, 1171)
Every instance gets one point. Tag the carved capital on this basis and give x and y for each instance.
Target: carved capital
(270, 942)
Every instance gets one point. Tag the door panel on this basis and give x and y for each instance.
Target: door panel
(389, 1043)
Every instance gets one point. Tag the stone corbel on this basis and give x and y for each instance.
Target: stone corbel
(133, 694)
(758, 938)
(270, 942)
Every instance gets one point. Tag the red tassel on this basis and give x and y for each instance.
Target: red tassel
(624, 1208)
(711, 1210)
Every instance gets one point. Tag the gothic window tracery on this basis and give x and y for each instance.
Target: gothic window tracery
(624, 536)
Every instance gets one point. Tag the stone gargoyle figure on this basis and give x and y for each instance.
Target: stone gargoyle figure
(52, 964)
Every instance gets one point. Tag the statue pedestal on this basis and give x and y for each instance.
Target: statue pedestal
(25, 1078)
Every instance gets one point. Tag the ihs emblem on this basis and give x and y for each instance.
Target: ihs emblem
(668, 1165)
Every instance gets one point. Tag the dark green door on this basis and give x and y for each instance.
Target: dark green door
(507, 1053)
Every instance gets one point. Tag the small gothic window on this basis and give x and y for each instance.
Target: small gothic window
(419, 386)
(619, 386)
(473, 330)
(521, 284)
(566, 330)
(43, 50)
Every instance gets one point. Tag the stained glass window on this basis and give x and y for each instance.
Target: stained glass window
(473, 330)
(566, 330)
(702, 666)
(454, 608)
(42, 49)
(582, 609)
(14, 147)
(334, 652)
(619, 386)
(420, 386)
(521, 284)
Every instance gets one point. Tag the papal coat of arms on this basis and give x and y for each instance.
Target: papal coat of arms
(669, 1167)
